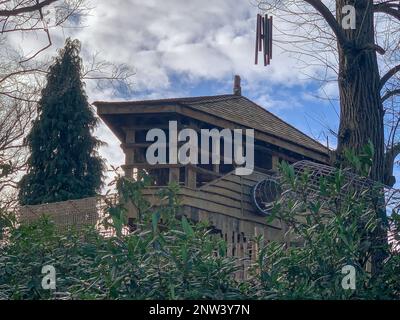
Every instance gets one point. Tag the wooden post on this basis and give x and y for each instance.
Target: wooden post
(191, 177)
(128, 172)
(275, 162)
(190, 170)
(129, 152)
(216, 168)
(174, 175)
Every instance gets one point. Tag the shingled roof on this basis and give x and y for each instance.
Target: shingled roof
(237, 109)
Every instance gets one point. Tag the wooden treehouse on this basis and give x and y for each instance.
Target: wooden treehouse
(212, 192)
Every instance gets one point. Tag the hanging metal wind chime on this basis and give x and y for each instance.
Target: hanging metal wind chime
(264, 39)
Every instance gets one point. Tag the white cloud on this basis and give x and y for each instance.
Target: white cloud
(198, 38)
(194, 40)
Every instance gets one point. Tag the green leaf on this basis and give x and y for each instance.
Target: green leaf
(187, 227)
(154, 220)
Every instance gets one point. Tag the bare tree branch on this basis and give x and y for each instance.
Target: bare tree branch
(388, 75)
(390, 156)
(390, 93)
(388, 8)
(22, 77)
(26, 9)
(330, 19)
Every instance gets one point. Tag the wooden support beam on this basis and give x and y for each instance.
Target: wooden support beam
(204, 171)
(130, 137)
(142, 127)
(174, 175)
(142, 145)
(154, 166)
(128, 172)
(263, 170)
(191, 177)
(135, 145)
(275, 162)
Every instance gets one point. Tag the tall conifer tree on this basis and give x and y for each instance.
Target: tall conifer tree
(63, 163)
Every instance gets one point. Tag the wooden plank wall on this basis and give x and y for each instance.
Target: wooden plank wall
(226, 203)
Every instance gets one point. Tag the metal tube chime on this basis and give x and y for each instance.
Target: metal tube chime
(264, 38)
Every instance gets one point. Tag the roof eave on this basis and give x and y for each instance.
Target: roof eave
(114, 108)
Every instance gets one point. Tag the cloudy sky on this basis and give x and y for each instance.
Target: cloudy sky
(195, 47)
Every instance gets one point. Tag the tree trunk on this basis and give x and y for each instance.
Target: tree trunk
(361, 109)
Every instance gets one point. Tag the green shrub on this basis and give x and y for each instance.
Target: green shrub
(165, 258)
(327, 230)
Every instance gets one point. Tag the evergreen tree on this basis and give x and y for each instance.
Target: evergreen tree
(63, 163)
